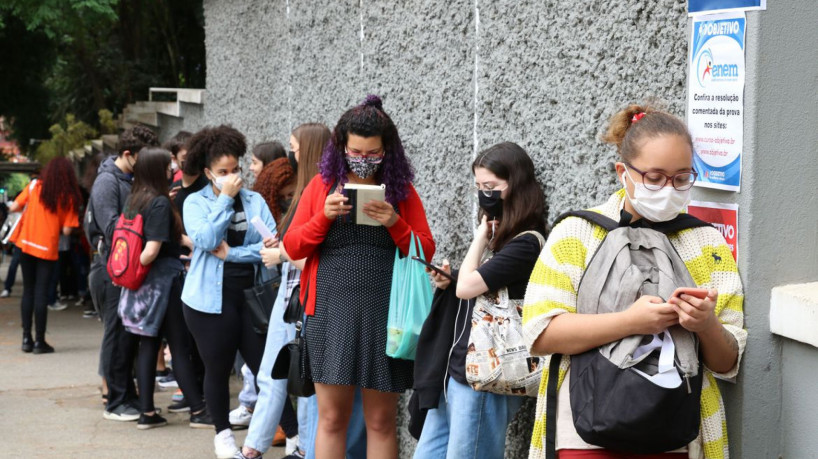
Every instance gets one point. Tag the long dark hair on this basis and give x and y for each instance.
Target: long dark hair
(149, 181)
(369, 120)
(311, 138)
(524, 205)
(60, 190)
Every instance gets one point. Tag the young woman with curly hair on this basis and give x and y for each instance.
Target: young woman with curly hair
(51, 204)
(225, 262)
(348, 274)
(276, 184)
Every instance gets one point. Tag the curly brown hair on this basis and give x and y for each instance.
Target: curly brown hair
(628, 134)
(210, 144)
(275, 176)
(137, 138)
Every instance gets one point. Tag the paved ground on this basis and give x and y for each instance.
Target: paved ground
(50, 405)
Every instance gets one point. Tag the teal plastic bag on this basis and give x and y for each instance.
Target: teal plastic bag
(409, 303)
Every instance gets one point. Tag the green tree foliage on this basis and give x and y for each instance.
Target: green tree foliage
(107, 124)
(65, 137)
(15, 184)
(100, 54)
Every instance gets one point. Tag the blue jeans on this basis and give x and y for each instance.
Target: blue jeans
(308, 427)
(272, 393)
(471, 425)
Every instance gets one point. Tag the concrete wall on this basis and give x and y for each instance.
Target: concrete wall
(459, 76)
(798, 425)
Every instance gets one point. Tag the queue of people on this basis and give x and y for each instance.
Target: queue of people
(616, 321)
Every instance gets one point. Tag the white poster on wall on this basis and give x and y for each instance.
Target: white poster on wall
(715, 108)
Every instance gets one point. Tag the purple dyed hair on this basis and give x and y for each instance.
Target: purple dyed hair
(369, 120)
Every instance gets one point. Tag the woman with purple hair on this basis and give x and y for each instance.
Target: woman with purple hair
(346, 292)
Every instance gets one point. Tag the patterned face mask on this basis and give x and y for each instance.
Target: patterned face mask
(362, 169)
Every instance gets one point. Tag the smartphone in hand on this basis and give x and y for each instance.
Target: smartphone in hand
(700, 293)
(434, 268)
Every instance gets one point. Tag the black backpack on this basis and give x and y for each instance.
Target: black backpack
(640, 394)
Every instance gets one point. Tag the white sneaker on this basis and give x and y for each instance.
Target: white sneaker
(58, 306)
(240, 416)
(5, 293)
(225, 444)
(291, 446)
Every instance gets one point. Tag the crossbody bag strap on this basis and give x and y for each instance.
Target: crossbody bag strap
(551, 407)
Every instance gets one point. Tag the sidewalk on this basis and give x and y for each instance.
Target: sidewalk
(51, 405)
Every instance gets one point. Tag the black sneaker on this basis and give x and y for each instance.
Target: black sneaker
(28, 343)
(201, 420)
(89, 313)
(162, 373)
(41, 347)
(181, 406)
(149, 422)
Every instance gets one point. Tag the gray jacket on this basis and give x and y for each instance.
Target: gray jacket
(108, 196)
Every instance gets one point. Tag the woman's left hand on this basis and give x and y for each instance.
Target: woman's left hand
(270, 242)
(695, 314)
(221, 251)
(270, 257)
(382, 212)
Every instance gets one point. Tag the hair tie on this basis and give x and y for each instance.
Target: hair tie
(637, 117)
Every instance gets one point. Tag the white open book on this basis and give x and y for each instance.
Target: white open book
(358, 196)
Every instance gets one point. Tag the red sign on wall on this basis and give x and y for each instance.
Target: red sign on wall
(723, 216)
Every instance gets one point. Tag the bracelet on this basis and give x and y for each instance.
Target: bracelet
(281, 257)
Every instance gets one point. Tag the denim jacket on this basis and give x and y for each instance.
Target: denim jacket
(206, 218)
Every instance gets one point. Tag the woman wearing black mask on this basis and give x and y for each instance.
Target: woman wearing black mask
(465, 423)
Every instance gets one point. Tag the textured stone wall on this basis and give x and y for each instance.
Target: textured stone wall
(457, 77)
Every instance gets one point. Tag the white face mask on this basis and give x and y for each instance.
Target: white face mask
(219, 181)
(657, 206)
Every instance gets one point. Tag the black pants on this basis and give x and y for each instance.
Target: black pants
(289, 420)
(175, 331)
(118, 346)
(36, 277)
(12, 272)
(68, 274)
(218, 337)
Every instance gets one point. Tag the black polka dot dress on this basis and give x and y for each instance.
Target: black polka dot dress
(346, 338)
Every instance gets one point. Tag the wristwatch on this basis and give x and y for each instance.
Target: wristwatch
(281, 257)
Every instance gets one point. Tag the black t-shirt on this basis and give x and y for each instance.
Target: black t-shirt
(510, 267)
(184, 192)
(157, 225)
(235, 238)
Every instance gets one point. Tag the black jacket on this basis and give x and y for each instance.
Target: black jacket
(431, 365)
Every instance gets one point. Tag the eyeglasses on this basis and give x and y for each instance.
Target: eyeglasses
(487, 190)
(373, 157)
(655, 181)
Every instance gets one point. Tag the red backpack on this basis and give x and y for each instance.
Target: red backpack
(127, 244)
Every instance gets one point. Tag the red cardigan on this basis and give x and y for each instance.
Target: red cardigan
(309, 227)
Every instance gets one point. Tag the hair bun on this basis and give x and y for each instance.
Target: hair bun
(373, 101)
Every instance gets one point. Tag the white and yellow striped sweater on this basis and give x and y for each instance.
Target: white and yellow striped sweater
(552, 290)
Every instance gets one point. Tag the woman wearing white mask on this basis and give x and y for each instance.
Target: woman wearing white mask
(226, 261)
(656, 172)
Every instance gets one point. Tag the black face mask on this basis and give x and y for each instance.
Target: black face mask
(284, 204)
(491, 205)
(293, 162)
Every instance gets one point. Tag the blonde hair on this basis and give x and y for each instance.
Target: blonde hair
(628, 129)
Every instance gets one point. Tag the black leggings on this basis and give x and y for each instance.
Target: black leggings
(218, 337)
(175, 331)
(36, 276)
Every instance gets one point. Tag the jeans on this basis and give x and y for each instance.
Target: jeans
(308, 427)
(272, 393)
(36, 275)
(119, 347)
(470, 425)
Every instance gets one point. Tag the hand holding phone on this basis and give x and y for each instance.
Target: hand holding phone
(700, 293)
(435, 269)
